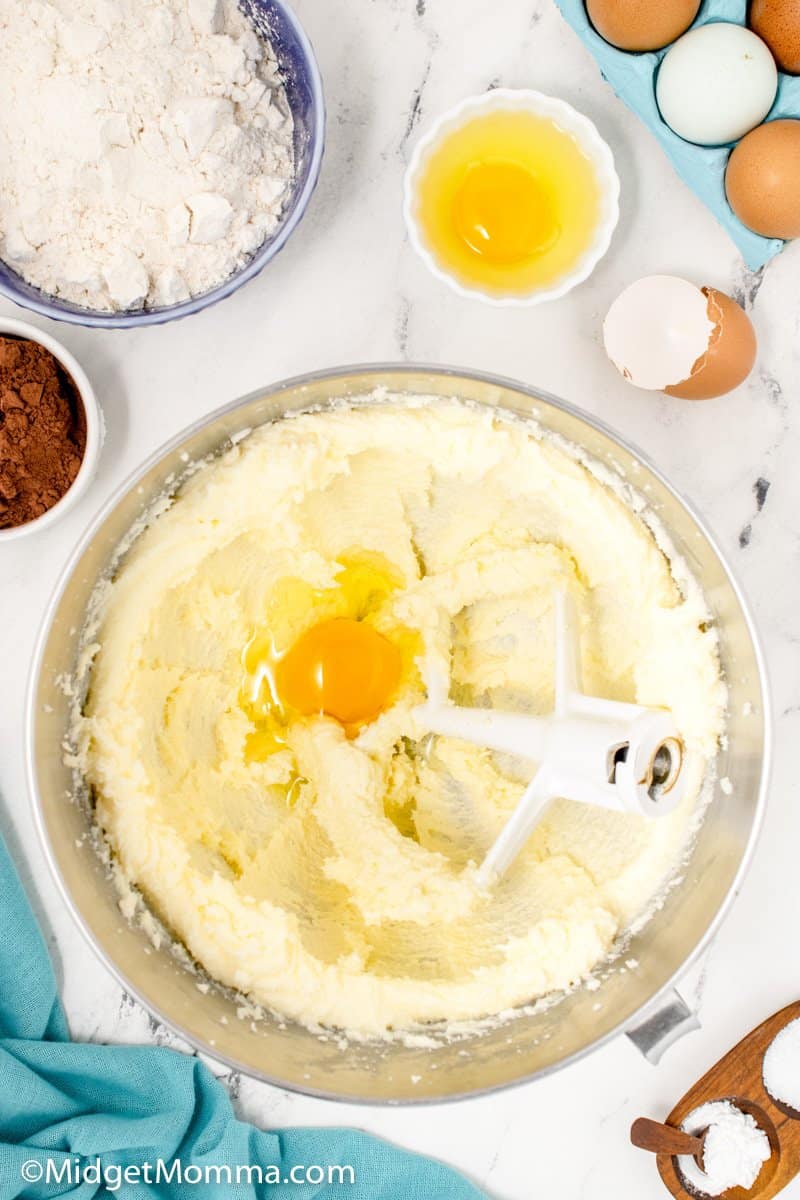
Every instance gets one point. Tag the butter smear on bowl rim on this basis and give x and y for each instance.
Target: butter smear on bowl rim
(511, 198)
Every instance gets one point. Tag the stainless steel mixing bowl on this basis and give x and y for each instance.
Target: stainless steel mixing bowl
(639, 1002)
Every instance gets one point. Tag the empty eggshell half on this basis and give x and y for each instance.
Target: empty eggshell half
(666, 334)
(730, 354)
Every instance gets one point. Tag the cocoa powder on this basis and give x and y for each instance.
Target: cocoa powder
(42, 431)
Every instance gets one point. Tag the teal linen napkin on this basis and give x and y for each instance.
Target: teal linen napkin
(111, 1107)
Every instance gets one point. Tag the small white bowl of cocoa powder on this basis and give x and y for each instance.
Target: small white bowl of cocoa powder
(51, 429)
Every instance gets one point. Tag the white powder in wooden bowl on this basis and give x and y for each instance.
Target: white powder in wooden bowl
(782, 1066)
(734, 1153)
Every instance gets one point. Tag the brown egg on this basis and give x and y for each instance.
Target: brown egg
(730, 355)
(778, 23)
(641, 24)
(762, 180)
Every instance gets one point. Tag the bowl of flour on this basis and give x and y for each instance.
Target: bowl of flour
(153, 157)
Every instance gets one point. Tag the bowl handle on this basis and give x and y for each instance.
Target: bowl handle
(662, 1025)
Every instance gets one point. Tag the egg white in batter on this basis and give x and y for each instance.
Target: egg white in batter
(324, 864)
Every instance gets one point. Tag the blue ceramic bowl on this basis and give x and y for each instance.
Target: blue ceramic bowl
(274, 20)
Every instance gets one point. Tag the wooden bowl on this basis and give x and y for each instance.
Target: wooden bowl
(738, 1077)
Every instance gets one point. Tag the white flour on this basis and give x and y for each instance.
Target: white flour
(735, 1149)
(145, 148)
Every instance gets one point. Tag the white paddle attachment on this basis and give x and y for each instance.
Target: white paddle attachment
(604, 752)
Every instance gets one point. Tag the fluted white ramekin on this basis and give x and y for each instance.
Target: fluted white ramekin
(568, 119)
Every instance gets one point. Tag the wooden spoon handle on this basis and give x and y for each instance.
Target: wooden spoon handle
(664, 1139)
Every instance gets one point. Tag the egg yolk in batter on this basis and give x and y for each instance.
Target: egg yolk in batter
(341, 668)
(329, 651)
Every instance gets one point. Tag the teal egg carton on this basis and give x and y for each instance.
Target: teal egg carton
(633, 78)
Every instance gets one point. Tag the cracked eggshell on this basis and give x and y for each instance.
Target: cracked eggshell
(730, 354)
(666, 334)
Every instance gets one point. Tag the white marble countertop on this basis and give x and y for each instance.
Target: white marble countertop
(348, 289)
